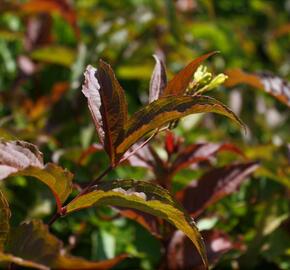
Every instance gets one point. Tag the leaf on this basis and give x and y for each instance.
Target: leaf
(141, 196)
(4, 220)
(36, 109)
(71, 262)
(107, 104)
(52, 6)
(54, 55)
(274, 85)
(152, 224)
(144, 157)
(96, 147)
(200, 152)
(158, 80)
(213, 186)
(180, 81)
(32, 245)
(165, 110)
(9, 258)
(22, 158)
(32, 241)
(181, 255)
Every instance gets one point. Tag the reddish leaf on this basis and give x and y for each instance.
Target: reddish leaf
(180, 81)
(38, 108)
(38, 32)
(158, 80)
(213, 186)
(181, 255)
(107, 103)
(96, 147)
(141, 158)
(149, 222)
(165, 110)
(275, 86)
(62, 7)
(199, 152)
(22, 158)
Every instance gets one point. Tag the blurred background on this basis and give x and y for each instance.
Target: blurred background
(45, 46)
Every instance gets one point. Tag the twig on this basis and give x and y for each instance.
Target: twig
(53, 219)
(94, 182)
(142, 145)
(63, 209)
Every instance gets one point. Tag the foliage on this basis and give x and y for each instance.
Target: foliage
(156, 161)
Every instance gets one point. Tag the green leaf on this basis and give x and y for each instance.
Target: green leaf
(165, 110)
(55, 55)
(145, 197)
(4, 220)
(107, 104)
(181, 80)
(19, 158)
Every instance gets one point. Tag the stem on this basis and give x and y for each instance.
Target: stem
(57, 215)
(53, 219)
(95, 181)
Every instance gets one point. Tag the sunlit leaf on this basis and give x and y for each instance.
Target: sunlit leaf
(4, 220)
(276, 169)
(213, 186)
(55, 55)
(22, 158)
(271, 84)
(107, 104)
(165, 110)
(10, 36)
(181, 80)
(158, 80)
(142, 196)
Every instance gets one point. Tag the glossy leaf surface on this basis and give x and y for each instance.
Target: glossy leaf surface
(145, 197)
(107, 104)
(165, 110)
